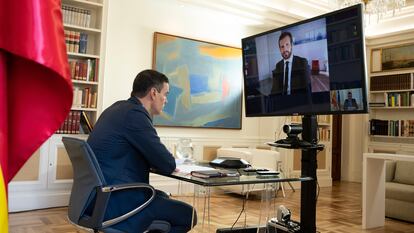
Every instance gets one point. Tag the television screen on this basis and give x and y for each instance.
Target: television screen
(316, 66)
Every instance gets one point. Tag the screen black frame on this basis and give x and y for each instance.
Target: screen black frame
(364, 86)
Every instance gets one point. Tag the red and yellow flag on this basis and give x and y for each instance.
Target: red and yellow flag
(35, 85)
(3, 205)
(3, 143)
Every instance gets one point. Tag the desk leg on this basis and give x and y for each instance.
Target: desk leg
(206, 193)
(265, 204)
(206, 207)
(373, 193)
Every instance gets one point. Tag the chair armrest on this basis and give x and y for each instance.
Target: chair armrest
(120, 187)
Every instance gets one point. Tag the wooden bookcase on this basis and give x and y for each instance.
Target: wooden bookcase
(391, 100)
(83, 24)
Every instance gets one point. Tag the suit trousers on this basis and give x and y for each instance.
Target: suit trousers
(177, 213)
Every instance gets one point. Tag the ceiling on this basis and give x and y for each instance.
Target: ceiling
(269, 14)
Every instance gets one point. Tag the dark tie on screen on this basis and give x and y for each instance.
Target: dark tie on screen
(285, 81)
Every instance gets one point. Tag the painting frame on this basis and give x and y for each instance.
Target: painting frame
(205, 79)
(375, 64)
(393, 58)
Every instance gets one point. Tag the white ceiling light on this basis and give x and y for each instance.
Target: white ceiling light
(375, 8)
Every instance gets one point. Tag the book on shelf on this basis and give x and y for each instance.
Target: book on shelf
(324, 119)
(76, 42)
(85, 124)
(214, 173)
(84, 97)
(67, 39)
(398, 99)
(391, 82)
(76, 122)
(72, 41)
(324, 134)
(378, 127)
(396, 128)
(83, 69)
(71, 124)
(76, 16)
(412, 100)
(93, 72)
(83, 42)
(296, 118)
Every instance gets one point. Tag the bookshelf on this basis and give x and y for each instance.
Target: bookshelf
(324, 127)
(83, 24)
(391, 99)
(392, 105)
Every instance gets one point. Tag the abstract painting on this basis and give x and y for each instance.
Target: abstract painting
(205, 82)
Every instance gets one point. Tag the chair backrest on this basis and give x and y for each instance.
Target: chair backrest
(87, 177)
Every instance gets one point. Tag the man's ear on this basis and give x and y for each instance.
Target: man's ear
(152, 93)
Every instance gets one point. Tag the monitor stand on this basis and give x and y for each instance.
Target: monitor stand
(293, 142)
(308, 169)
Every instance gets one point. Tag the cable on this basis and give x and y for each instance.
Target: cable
(241, 211)
(317, 136)
(318, 191)
(317, 182)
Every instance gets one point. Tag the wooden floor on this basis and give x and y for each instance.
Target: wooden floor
(338, 210)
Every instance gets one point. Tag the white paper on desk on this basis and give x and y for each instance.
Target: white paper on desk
(188, 168)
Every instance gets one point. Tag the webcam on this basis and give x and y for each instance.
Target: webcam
(292, 130)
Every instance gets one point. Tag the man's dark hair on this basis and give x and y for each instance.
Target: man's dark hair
(147, 79)
(285, 34)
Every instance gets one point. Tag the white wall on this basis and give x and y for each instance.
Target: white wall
(354, 132)
(129, 39)
(129, 42)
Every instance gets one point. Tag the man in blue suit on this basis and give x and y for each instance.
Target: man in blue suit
(290, 80)
(291, 74)
(127, 147)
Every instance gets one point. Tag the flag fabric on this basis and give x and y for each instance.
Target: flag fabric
(3, 210)
(35, 86)
(3, 144)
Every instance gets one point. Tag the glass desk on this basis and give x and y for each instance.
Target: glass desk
(245, 178)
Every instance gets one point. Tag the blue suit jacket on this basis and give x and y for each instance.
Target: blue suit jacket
(300, 98)
(300, 76)
(127, 146)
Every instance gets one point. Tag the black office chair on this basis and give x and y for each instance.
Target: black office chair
(89, 186)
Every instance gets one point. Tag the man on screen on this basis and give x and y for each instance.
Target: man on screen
(350, 103)
(291, 75)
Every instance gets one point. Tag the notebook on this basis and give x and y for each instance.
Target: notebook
(213, 173)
